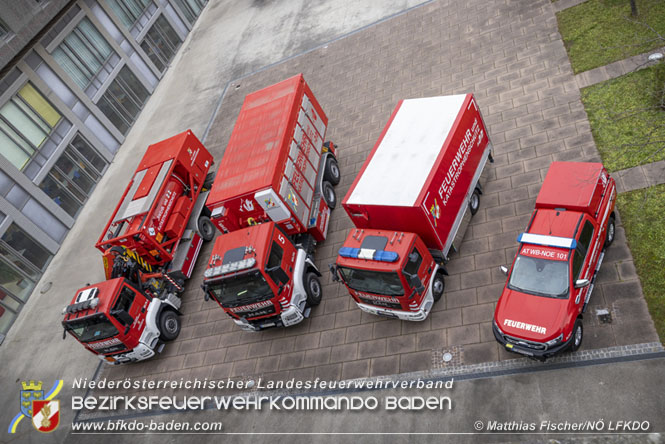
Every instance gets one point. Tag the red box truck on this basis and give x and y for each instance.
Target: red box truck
(411, 203)
(272, 198)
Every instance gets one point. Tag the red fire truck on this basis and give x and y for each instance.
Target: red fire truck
(149, 247)
(272, 198)
(411, 204)
(539, 313)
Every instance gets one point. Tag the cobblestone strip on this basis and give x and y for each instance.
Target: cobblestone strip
(616, 69)
(641, 176)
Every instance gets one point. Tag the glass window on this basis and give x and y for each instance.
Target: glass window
(92, 328)
(125, 300)
(123, 99)
(275, 260)
(26, 121)
(73, 177)
(161, 43)
(83, 53)
(378, 282)
(129, 11)
(540, 277)
(14, 282)
(4, 30)
(585, 236)
(578, 260)
(415, 259)
(25, 246)
(7, 317)
(191, 8)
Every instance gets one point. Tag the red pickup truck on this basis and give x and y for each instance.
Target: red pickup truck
(539, 313)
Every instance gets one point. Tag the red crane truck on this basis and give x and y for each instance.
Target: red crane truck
(411, 203)
(539, 313)
(272, 198)
(149, 246)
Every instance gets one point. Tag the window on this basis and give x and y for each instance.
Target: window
(415, 259)
(129, 11)
(191, 8)
(73, 176)
(83, 53)
(273, 267)
(581, 250)
(4, 30)
(26, 121)
(125, 300)
(161, 43)
(123, 100)
(26, 247)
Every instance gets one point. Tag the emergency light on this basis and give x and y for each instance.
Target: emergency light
(230, 267)
(547, 241)
(366, 253)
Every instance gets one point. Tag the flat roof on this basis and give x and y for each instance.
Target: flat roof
(399, 166)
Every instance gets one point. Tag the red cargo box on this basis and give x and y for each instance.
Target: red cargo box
(422, 169)
(271, 163)
(573, 185)
(145, 221)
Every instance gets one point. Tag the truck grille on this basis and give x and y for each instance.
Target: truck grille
(379, 303)
(525, 343)
(258, 312)
(112, 349)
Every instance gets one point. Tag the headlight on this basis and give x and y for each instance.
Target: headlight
(555, 341)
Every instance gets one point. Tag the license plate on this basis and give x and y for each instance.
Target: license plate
(267, 325)
(388, 315)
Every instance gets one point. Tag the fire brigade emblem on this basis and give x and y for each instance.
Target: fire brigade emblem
(31, 392)
(46, 415)
(436, 211)
(292, 198)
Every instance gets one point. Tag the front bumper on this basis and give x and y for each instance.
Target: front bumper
(419, 315)
(139, 353)
(286, 318)
(513, 347)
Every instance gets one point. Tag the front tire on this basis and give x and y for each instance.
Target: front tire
(313, 289)
(169, 325)
(611, 232)
(438, 286)
(329, 194)
(578, 335)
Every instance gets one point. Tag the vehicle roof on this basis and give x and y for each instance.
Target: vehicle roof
(106, 291)
(401, 244)
(555, 223)
(255, 236)
(408, 150)
(570, 185)
(253, 154)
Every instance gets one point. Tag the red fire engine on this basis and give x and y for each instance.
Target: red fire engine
(411, 204)
(149, 246)
(272, 197)
(549, 285)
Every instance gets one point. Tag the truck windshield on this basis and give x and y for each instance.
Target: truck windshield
(240, 290)
(92, 328)
(378, 282)
(541, 277)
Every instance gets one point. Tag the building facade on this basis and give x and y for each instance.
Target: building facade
(74, 76)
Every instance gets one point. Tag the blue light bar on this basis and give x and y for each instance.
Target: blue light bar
(364, 253)
(547, 241)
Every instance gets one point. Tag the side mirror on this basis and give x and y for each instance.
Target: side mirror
(206, 296)
(581, 283)
(333, 270)
(504, 270)
(280, 289)
(122, 316)
(64, 333)
(278, 274)
(416, 283)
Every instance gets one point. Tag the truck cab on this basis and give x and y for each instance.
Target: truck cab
(549, 285)
(107, 319)
(390, 273)
(261, 278)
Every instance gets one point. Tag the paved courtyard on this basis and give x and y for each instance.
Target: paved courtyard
(510, 55)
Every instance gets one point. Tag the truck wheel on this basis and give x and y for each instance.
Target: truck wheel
(313, 289)
(611, 232)
(169, 325)
(438, 286)
(331, 172)
(578, 333)
(474, 202)
(329, 195)
(206, 228)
